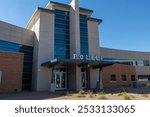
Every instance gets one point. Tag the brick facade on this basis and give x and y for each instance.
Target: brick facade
(11, 65)
(118, 71)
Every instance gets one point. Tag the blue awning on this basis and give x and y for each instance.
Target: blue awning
(94, 63)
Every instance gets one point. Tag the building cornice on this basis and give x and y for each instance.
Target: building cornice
(95, 19)
(68, 6)
(37, 11)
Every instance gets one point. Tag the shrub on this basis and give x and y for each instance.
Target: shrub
(90, 94)
(145, 95)
(132, 96)
(127, 97)
(68, 94)
(122, 94)
(81, 93)
(101, 93)
(103, 97)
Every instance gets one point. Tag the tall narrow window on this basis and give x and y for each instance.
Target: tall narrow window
(84, 35)
(62, 41)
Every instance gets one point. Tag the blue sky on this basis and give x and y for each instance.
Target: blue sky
(126, 23)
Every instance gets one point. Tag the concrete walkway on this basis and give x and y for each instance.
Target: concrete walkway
(32, 95)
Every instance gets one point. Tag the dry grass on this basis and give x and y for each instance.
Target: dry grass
(81, 94)
(103, 97)
(89, 95)
(68, 94)
(101, 93)
(145, 95)
(127, 97)
(122, 93)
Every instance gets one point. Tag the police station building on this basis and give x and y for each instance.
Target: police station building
(59, 50)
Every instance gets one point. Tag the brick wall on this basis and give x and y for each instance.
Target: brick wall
(11, 65)
(118, 70)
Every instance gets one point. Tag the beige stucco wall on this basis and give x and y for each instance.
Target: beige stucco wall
(44, 50)
(133, 55)
(94, 78)
(74, 29)
(93, 38)
(122, 54)
(35, 28)
(145, 70)
(12, 33)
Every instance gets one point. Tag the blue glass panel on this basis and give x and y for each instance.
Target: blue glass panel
(83, 35)
(57, 41)
(9, 45)
(62, 43)
(62, 36)
(64, 17)
(83, 24)
(83, 17)
(60, 21)
(61, 31)
(61, 12)
(85, 45)
(62, 46)
(62, 26)
(83, 29)
(8, 49)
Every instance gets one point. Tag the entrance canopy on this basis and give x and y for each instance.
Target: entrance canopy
(94, 63)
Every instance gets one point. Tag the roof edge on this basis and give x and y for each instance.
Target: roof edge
(84, 9)
(61, 4)
(68, 6)
(35, 12)
(95, 19)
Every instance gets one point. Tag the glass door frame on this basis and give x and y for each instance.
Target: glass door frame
(60, 75)
(86, 77)
(85, 80)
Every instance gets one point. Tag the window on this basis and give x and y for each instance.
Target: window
(146, 63)
(144, 78)
(62, 35)
(133, 78)
(123, 77)
(113, 78)
(84, 35)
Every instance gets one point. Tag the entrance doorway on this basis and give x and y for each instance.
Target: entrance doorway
(84, 79)
(60, 80)
(60, 77)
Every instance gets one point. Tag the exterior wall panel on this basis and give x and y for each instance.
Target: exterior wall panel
(94, 78)
(44, 50)
(11, 77)
(16, 34)
(118, 70)
(93, 37)
(124, 54)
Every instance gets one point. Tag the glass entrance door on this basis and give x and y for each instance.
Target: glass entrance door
(60, 80)
(83, 79)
